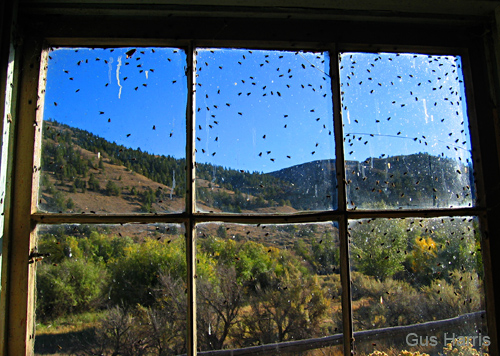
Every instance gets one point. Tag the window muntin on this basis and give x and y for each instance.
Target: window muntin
(334, 216)
(266, 117)
(406, 136)
(126, 112)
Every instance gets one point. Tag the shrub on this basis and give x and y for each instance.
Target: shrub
(93, 183)
(388, 303)
(59, 201)
(136, 275)
(70, 204)
(459, 296)
(291, 307)
(462, 350)
(112, 188)
(402, 353)
(73, 286)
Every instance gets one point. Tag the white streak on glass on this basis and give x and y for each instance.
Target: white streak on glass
(118, 75)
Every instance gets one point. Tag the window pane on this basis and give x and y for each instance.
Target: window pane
(406, 136)
(265, 284)
(114, 133)
(111, 289)
(413, 271)
(264, 133)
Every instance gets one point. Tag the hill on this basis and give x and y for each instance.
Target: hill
(82, 172)
(404, 181)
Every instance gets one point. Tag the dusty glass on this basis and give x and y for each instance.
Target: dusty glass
(105, 289)
(114, 131)
(406, 136)
(417, 285)
(264, 131)
(265, 284)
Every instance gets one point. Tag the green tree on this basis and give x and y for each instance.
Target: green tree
(93, 183)
(70, 204)
(136, 275)
(73, 286)
(112, 188)
(59, 200)
(378, 246)
(221, 232)
(326, 253)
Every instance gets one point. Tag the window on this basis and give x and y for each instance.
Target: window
(306, 205)
(264, 144)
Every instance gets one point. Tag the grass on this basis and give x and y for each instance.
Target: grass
(59, 336)
(69, 323)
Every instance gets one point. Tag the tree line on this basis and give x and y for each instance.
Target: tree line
(250, 293)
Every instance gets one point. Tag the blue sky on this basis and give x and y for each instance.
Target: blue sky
(102, 97)
(261, 110)
(403, 104)
(273, 109)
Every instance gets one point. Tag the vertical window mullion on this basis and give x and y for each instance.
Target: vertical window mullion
(485, 198)
(21, 286)
(190, 200)
(345, 274)
(6, 164)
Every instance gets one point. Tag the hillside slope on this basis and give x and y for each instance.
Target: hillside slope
(82, 172)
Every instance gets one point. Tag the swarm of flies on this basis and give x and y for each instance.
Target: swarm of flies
(412, 102)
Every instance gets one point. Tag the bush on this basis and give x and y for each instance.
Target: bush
(73, 286)
(93, 183)
(291, 307)
(402, 353)
(59, 201)
(136, 275)
(112, 188)
(70, 204)
(459, 296)
(463, 350)
(388, 303)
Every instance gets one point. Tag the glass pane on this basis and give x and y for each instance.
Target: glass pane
(111, 289)
(266, 284)
(264, 133)
(406, 136)
(423, 280)
(114, 132)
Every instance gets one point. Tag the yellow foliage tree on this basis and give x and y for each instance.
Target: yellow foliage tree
(423, 254)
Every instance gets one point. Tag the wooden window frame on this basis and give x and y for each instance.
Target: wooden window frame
(233, 31)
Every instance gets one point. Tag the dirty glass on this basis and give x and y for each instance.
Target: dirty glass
(110, 289)
(264, 131)
(114, 131)
(420, 283)
(114, 140)
(406, 136)
(265, 284)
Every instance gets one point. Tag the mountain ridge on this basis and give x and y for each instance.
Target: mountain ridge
(76, 162)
